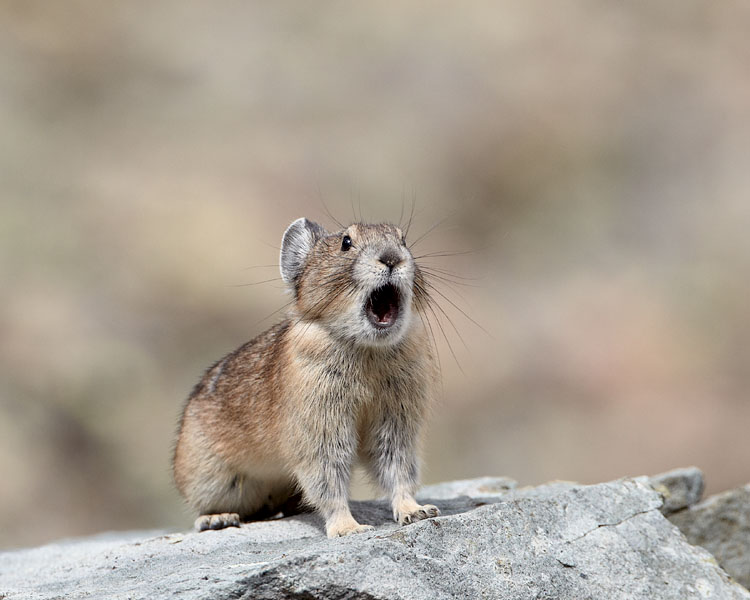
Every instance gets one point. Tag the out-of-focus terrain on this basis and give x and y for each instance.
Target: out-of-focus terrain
(591, 160)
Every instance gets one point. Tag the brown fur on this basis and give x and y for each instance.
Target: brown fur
(288, 413)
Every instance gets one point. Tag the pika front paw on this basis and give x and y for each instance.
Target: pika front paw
(413, 515)
(217, 521)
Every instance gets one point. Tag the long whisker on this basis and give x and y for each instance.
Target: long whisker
(270, 245)
(426, 323)
(451, 285)
(257, 282)
(359, 201)
(447, 272)
(411, 216)
(429, 231)
(325, 207)
(444, 254)
(338, 282)
(452, 324)
(454, 305)
(311, 309)
(445, 337)
(336, 293)
(422, 300)
(354, 210)
(260, 267)
(277, 311)
(401, 217)
(448, 278)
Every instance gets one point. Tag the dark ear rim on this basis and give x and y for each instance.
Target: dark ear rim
(296, 243)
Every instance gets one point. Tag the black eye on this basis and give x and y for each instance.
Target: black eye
(346, 243)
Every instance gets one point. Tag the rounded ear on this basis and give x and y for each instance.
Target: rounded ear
(299, 238)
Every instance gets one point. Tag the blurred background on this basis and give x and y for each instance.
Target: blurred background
(588, 161)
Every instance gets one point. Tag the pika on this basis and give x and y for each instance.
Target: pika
(277, 425)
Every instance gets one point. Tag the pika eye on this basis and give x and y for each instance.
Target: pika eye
(346, 243)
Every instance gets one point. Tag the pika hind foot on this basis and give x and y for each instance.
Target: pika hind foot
(411, 512)
(218, 521)
(352, 530)
(345, 525)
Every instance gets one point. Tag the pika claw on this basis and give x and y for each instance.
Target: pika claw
(423, 512)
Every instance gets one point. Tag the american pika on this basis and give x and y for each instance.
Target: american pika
(277, 424)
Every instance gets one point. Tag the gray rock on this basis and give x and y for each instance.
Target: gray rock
(721, 524)
(680, 488)
(480, 487)
(556, 541)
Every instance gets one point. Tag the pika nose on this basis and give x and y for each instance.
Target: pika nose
(390, 258)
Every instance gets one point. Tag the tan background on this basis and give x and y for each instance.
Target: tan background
(592, 155)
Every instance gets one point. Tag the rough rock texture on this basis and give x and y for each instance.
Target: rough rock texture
(559, 540)
(480, 487)
(721, 524)
(680, 488)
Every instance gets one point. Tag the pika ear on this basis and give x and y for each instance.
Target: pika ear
(299, 238)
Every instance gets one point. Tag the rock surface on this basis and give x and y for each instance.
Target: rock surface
(559, 540)
(481, 487)
(721, 524)
(680, 488)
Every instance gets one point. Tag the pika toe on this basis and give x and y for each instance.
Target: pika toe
(217, 521)
(422, 512)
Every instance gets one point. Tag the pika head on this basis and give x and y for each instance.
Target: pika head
(357, 283)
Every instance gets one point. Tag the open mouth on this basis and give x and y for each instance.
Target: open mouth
(382, 306)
